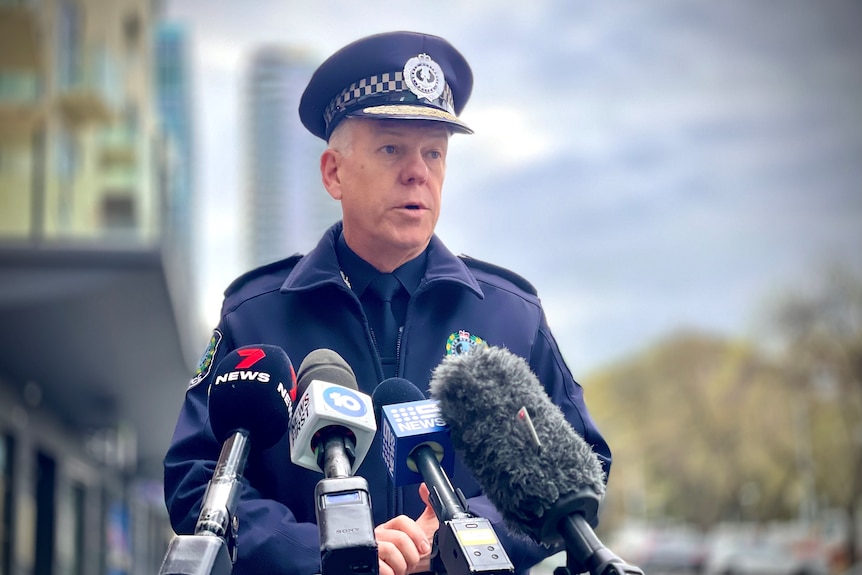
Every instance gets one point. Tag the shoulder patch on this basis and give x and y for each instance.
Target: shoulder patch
(206, 362)
(285, 264)
(509, 275)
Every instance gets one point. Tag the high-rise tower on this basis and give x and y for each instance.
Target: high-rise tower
(286, 206)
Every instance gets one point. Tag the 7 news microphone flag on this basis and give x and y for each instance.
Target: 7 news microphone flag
(250, 402)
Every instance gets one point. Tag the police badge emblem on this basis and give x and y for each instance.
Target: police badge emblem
(462, 341)
(424, 77)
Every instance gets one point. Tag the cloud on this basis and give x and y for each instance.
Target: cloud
(218, 56)
(644, 166)
(506, 137)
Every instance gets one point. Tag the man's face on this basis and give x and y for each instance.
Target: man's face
(389, 182)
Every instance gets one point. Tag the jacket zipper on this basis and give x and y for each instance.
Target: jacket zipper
(398, 349)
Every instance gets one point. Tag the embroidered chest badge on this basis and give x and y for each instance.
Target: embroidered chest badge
(462, 341)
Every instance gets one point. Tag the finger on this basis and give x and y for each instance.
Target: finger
(418, 539)
(383, 568)
(428, 520)
(400, 543)
(390, 559)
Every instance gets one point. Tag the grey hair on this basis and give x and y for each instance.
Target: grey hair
(341, 138)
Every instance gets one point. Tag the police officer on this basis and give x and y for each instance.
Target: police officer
(380, 289)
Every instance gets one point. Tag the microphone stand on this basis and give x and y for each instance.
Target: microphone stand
(568, 519)
(581, 542)
(212, 549)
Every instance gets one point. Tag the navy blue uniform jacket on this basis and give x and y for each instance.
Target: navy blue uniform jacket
(304, 303)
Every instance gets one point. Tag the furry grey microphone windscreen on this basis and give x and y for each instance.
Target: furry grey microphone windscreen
(480, 394)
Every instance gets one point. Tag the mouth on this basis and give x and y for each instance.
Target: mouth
(414, 207)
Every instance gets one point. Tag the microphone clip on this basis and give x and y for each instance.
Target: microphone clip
(584, 502)
(347, 541)
(469, 546)
(197, 555)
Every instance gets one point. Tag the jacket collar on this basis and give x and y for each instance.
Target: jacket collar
(320, 267)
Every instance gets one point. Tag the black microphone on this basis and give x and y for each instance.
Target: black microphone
(250, 403)
(414, 443)
(540, 474)
(331, 431)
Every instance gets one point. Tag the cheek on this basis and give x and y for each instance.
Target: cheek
(365, 181)
(437, 194)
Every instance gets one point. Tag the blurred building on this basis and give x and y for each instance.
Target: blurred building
(286, 206)
(97, 337)
(174, 100)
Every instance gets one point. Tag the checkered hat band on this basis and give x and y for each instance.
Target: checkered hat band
(390, 83)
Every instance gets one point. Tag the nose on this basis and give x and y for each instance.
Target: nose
(415, 170)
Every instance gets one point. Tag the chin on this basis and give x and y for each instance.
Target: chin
(413, 240)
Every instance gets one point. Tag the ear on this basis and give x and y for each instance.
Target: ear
(329, 163)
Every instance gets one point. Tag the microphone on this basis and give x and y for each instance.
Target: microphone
(416, 447)
(331, 430)
(250, 403)
(331, 411)
(414, 435)
(539, 473)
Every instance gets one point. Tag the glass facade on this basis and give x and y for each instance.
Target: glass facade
(84, 187)
(79, 140)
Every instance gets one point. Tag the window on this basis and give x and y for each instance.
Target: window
(7, 468)
(118, 213)
(79, 524)
(46, 520)
(68, 43)
(68, 159)
(132, 31)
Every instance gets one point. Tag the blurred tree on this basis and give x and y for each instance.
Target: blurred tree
(820, 333)
(699, 430)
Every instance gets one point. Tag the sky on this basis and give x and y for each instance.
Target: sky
(647, 165)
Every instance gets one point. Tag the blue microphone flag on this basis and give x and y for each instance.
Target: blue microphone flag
(405, 427)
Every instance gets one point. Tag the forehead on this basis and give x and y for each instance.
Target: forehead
(409, 128)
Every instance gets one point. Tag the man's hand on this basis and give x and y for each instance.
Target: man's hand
(404, 545)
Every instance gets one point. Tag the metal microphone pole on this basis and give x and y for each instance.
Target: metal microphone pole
(212, 549)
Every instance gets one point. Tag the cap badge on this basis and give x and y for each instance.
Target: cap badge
(424, 77)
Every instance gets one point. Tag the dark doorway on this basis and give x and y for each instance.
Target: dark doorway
(46, 482)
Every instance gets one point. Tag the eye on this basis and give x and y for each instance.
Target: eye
(388, 149)
(435, 154)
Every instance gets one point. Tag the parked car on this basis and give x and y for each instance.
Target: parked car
(748, 556)
(674, 555)
(678, 551)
